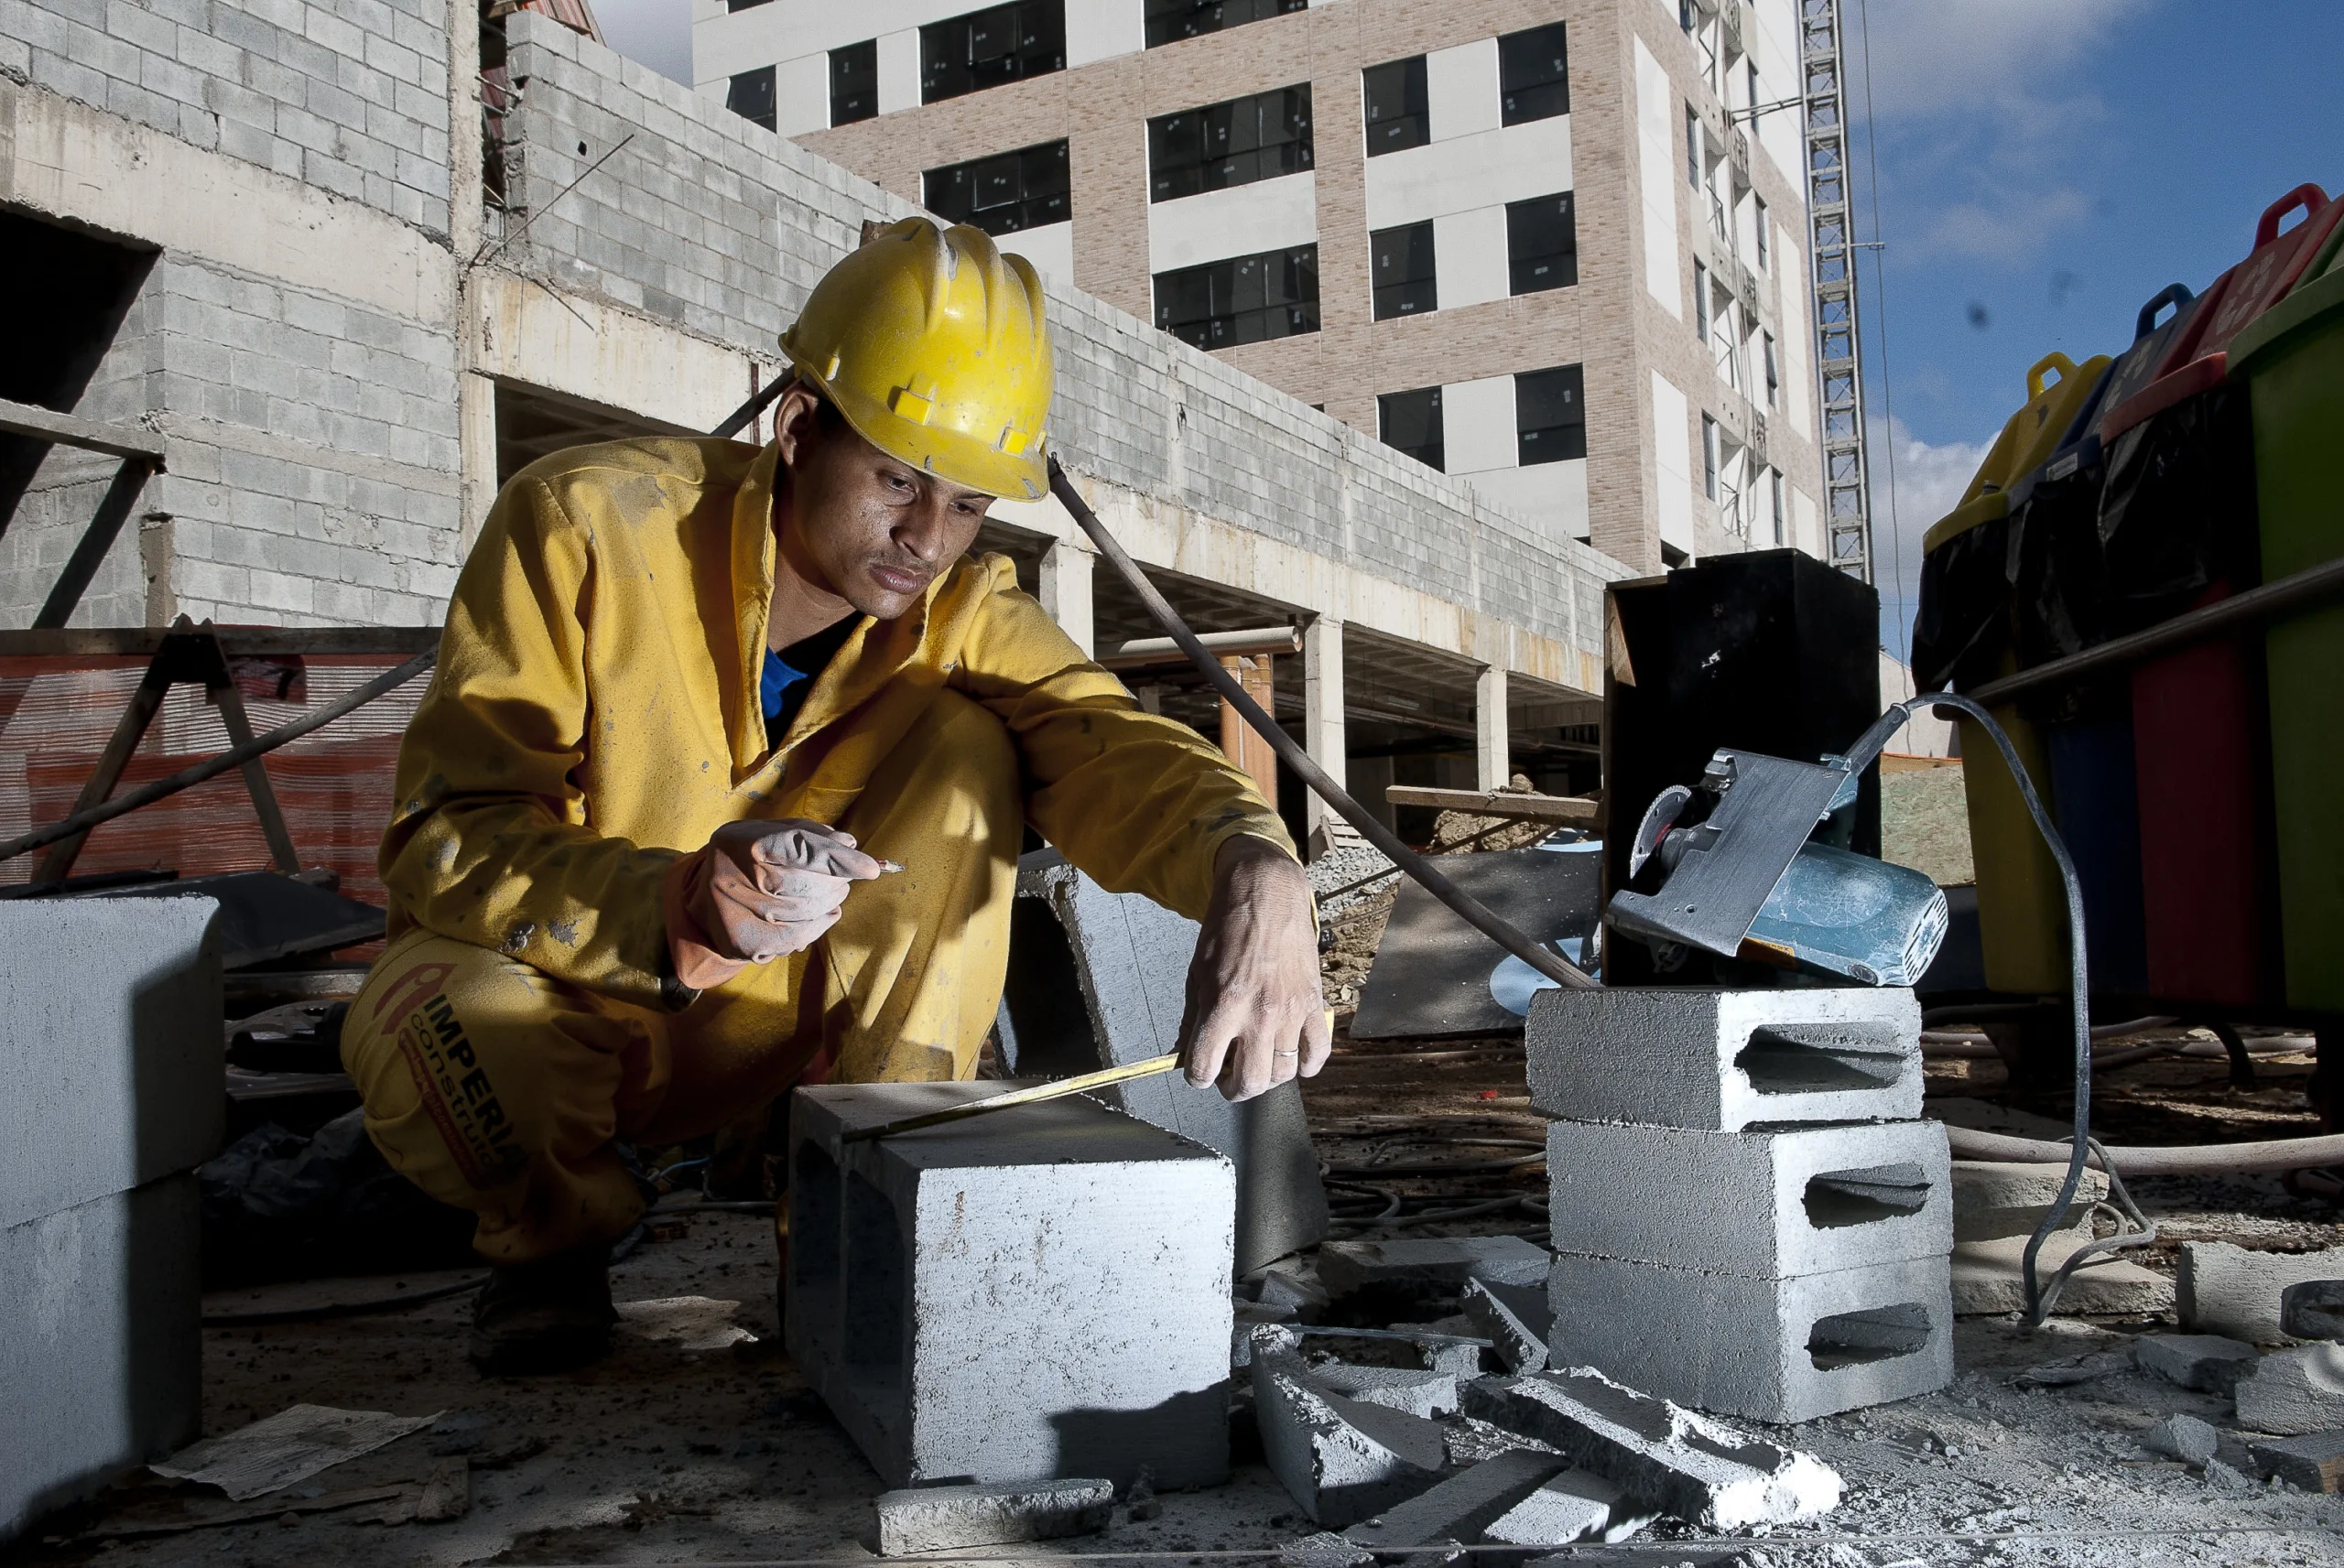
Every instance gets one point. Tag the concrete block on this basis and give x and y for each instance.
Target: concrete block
(1993, 1198)
(1417, 1393)
(1104, 984)
(938, 1518)
(1460, 1508)
(1775, 1350)
(101, 1347)
(2223, 1289)
(1577, 1505)
(1720, 1060)
(1516, 1319)
(1659, 1456)
(2294, 1391)
(2314, 1462)
(1324, 1550)
(1345, 1266)
(2313, 1309)
(2206, 1362)
(1988, 1277)
(1799, 1201)
(2183, 1437)
(115, 1063)
(1341, 1460)
(1097, 1245)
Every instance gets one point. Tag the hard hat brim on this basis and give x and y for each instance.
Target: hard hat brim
(951, 455)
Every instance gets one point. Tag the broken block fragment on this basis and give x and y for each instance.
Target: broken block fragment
(1015, 1297)
(1460, 1508)
(1577, 1505)
(1345, 1266)
(1515, 1319)
(1341, 1460)
(938, 1518)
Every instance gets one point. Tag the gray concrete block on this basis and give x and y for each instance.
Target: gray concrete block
(2295, 1392)
(101, 1347)
(1348, 1266)
(2313, 1309)
(1341, 1460)
(938, 1518)
(2314, 1462)
(1720, 1060)
(1660, 1456)
(1516, 1319)
(2206, 1362)
(1797, 1201)
(110, 1022)
(1988, 1277)
(2223, 1289)
(1411, 1390)
(1129, 962)
(1577, 1505)
(2183, 1437)
(1775, 1350)
(1096, 1244)
(1460, 1508)
(1993, 1198)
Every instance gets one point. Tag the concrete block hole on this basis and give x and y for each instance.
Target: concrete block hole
(1838, 1199)
(1798, 1059)
(1876, 1334)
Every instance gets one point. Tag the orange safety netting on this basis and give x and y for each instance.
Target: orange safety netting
(333, 783)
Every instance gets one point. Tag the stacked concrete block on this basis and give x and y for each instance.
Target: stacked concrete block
(1746, 1217)
(109, 1019)
(1038, 1293)
(1101, 981)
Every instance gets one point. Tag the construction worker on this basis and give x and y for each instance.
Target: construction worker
(721, 779)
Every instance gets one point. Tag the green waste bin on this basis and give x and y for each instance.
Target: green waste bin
(2291, 360)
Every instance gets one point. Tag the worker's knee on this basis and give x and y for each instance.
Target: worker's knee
(952, 782)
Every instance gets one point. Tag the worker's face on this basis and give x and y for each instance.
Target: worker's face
(864, 525)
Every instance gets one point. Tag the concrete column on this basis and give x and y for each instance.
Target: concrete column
(1495, 765)
(476, 438)
(1066, 590)
(1322, 717)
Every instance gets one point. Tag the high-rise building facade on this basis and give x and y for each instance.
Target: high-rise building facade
(1554, 247)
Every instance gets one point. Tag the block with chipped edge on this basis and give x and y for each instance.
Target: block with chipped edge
(1775, 1350)
(937, 1518)
(1405, 1389)
(1348, 1266)
(2222, 1288)
(1341, 1460)
(1459, 1509)
(1994, 1198)
(1659, 1456)
(1513, 1319)
(2210, 1363)
(1576, 1505)
(1720, 1060)
(2314, 1462)
(1797, 1200)
(2296, 1392)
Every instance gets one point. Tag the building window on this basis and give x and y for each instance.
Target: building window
(1003, 194)
(1758, 214)
(986, 49)
(1246, 300)
(1774, 376)
(1685, 17)
(1169, 21)
(1410, 422)
(751, 96)
(1541, 244)
(1751, 79)
(1692, 149)
(1775, 484)
(854, 82)
(1229, 144)
(1701, 303)
(1550, 415)
(1534, 75)
(1708, 457)
(1398, 115)
(1402, 260)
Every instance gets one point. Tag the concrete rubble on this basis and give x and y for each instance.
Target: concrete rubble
(2226, 1289)
(1347, 1267)
(1516, 1319)
(2313, 1309)
(2295, 1392)
(1341, 1460)
(2183, 1437)
(1997, 1208)
(2314, 1463)
(1577, 1505)
(938, 1518)
(1461, 1509)
(2206, 1362)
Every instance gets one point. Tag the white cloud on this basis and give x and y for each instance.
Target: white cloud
(657, 33)
(2010, 230)
(1975, 57)
(1928, 482)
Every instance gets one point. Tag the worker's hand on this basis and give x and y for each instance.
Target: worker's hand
(1254, 1016)
(760, 890)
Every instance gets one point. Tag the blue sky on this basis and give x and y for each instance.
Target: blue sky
(2044, 167)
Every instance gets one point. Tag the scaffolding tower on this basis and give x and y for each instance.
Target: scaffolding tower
(1839, 360)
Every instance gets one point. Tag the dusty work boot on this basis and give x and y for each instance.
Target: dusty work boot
(546, 1316)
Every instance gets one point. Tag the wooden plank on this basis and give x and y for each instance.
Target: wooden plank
(1239, 741)
(1571, 810)
(141, 642)
(47, 425)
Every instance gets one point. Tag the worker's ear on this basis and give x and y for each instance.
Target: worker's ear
(796, 422)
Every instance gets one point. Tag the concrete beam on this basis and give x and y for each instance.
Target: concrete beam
(1322, 719)
(1493, 763)
(1066, 589)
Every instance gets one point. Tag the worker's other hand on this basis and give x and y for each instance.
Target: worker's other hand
(1254, 1016)
(758, 891)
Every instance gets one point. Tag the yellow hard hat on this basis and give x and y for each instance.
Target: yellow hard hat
(932, 343)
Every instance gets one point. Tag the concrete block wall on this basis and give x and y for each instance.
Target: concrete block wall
(721, 227)
(347, 95)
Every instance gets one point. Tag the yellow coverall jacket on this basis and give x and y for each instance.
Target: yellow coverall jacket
(596, 714)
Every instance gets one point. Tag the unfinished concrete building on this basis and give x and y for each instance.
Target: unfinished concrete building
(1557, 247)
(343, 266)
